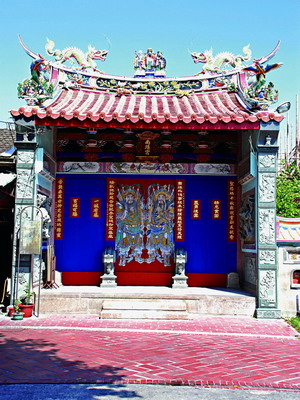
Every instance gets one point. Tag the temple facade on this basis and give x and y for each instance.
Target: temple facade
(150, 170)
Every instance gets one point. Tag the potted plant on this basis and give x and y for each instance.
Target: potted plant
(26, 305)
(17, 314)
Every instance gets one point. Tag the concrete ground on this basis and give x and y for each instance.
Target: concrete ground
(136, 392)
(119, 358)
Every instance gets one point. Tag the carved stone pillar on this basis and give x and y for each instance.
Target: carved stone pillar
(266, 226)
(25, 196)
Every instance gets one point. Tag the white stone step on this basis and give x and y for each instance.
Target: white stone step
(143, 314)
(144, 304)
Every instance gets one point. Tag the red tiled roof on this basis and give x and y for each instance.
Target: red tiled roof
(211, 107)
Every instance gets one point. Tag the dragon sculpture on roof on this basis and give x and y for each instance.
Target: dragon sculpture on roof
(213, 64)
(73, 54)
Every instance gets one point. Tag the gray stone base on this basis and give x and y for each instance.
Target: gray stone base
(268, 313)
(233, 281)
(108, 281)
(179, 281)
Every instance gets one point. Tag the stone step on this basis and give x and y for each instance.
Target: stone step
(163, 303)
(143, 314)
(144, 304)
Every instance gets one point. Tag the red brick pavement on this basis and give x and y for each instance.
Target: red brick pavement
(211, 351)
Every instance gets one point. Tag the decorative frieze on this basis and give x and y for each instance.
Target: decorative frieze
(145, 168)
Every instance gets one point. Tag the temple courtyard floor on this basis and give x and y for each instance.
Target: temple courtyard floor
(214, 352)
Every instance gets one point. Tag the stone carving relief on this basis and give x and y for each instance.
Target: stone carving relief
(250, 270)
(267, 189)
(25, 157)
(267, 161)
(267, 287)
(25, 180)
(267, 257)
(44, 204)
(247, 219)
(267, 226)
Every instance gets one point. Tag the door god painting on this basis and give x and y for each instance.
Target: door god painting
(145, 225)
(129, 220)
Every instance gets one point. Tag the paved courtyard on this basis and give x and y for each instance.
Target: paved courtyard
(229, 352)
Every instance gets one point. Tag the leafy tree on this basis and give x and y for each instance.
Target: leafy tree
(288, 191)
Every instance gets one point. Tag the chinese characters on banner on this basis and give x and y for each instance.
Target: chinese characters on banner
(232, 217)
(196, 209)
(75, 207)
(111, 207)
(216, 209)
(147, 147)
(59, 209)
(179, 196)
(96, 204)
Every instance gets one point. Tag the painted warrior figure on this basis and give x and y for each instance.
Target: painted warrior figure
(149, 61)
(129, 220)
(160, 223)
(160, 62)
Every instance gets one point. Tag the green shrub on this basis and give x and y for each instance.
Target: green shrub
(288, 192)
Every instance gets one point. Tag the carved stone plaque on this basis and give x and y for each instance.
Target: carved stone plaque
(267, 161)
(25, 181)
(267, 288)
(25, 157)
(250, 270)
(267, 226)
(267, 189)
(267, 257)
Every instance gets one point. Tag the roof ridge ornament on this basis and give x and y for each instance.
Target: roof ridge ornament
(258, 93)
(38, 88)
(149, 64)
(85, 61)
(214, 64)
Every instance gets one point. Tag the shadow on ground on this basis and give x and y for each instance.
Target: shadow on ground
(36, 361)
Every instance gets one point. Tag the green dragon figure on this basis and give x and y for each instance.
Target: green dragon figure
(85, 60)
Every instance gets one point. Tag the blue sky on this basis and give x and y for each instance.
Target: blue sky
(172, 26)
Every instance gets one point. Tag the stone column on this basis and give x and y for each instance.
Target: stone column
(24, 197)
(266, 224)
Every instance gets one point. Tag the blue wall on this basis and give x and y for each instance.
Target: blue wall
(205, 239)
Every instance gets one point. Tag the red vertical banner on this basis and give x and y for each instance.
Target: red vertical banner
(179, 199)
(216, 208)
(231, 211)
(111, 195)
(96, 208)
(196, 209)
(59, 208)
(75, 207)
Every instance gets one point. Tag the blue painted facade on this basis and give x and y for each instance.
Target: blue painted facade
(205, 239)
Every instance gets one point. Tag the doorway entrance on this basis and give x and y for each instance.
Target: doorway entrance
(144, 238)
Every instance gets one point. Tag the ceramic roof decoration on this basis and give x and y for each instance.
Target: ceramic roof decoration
(60, 92)
(288, 230)
(149, 64)
(214, 64)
